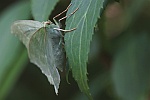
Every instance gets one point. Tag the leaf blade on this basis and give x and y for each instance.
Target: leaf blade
(41, 9)
(7, 42)
(5, 20)
(77, 43)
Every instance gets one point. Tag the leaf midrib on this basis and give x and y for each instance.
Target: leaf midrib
(84, 16)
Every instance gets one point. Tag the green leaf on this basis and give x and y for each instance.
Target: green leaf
(41, 9)
(77, 43)
(131, 67)
(9, 45)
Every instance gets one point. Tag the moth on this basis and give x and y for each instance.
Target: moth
(44, 43)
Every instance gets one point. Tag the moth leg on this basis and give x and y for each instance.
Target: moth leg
(68, 15)
(65, 30)
(61, 14)
(61, 43)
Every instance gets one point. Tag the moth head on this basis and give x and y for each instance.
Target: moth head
(47, 23)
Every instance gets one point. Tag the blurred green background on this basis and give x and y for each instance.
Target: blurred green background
(119, 60)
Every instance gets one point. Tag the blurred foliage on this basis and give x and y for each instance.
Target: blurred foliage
(118, 66)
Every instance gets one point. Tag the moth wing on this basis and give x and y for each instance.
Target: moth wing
(41, 54)
(59, 53)
(24, 29)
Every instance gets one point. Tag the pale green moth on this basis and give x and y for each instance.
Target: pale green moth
(43, 41)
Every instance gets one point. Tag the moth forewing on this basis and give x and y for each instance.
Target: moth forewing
(24, 29)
